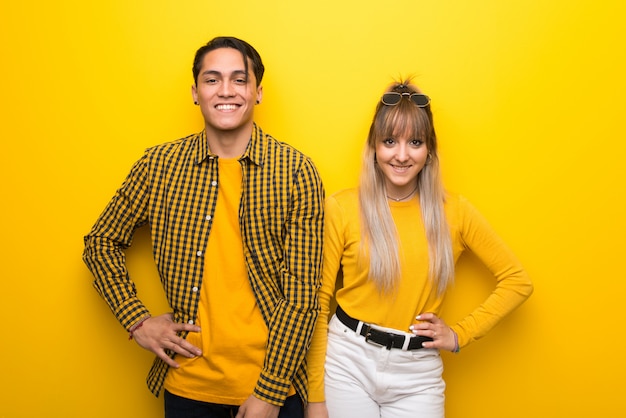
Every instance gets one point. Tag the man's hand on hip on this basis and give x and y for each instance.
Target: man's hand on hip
(159, 333)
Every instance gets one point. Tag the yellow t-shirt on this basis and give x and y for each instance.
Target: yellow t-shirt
(415, 293)
(234, 334)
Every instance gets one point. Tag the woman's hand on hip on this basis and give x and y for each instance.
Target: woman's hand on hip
(430, 325)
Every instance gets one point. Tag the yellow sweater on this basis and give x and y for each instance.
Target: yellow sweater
(415, 293)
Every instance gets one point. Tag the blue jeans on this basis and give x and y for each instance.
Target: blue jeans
(178, 407)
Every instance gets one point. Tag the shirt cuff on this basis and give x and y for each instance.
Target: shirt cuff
(272, 389)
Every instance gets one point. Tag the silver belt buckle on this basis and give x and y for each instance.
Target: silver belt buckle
(368, 333)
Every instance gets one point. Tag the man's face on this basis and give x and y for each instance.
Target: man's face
(225, 94)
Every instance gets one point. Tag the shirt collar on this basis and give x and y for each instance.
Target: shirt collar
(256, 147)
(202, 148)
(254, 151)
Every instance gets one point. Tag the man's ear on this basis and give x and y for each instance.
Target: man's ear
(259, 94)
(194, 94)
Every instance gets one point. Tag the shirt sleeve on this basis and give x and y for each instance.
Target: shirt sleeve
(293, 321)
(105, 244)
(513, 286)
(333, 250)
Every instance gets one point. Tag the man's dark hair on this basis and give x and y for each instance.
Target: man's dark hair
(247, 51)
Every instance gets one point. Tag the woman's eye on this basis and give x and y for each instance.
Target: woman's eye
(417, 142)
(389, 141)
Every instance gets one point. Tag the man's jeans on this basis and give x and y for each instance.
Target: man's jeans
(178, 407)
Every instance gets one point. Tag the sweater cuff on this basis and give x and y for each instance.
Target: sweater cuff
(317, 396)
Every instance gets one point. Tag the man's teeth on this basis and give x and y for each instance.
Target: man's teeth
(226, 107)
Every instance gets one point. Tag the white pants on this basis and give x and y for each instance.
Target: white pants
(365, 380)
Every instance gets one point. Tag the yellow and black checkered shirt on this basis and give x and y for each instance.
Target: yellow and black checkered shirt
(173, 188)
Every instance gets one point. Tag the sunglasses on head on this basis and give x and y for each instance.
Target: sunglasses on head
(392, 98)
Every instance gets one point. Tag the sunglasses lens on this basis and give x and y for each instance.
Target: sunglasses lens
(391, 98)
(420, 99)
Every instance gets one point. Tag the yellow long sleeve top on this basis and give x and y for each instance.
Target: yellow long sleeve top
(415, 293)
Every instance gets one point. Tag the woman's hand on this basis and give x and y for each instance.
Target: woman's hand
(430, 325)
(316, 410)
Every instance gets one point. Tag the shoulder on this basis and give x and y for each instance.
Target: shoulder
(284, 159)
(458, 208)
(345, 200)
(267, 151)
(341, 211)
(456, 201)
(464, 217)
(276, 147)
(175, 146)
(345, 196)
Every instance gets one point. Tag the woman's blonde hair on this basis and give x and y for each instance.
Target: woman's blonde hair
(379, 235)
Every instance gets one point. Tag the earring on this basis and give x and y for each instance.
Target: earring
(196, 103)
(258, 102)
(429, 159)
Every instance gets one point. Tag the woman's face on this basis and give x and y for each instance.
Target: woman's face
(401, 159)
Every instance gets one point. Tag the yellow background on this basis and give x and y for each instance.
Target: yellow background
(528, 99)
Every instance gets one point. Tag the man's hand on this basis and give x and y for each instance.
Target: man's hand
(253, 407)
(161, 332)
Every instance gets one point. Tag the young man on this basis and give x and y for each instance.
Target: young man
(236, 220)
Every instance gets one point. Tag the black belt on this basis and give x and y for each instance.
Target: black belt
(386, 339)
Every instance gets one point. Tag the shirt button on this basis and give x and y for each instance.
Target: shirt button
(199, 253)
(190, 321)
(213, 183)
(194, 289)
(208, 217)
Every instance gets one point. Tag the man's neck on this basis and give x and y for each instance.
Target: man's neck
(228, 144)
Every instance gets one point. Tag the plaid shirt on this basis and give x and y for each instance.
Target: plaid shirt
(173, 188)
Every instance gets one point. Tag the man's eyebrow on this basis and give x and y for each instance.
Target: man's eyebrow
(219, 73)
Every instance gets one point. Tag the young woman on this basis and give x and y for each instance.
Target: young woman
(393, 242)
